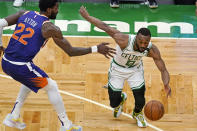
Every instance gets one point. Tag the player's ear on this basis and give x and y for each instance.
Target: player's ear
(48, 10)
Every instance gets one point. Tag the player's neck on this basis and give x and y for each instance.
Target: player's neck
(44, 13)
(135, 48)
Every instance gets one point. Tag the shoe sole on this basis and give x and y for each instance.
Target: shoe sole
(153, 7)
(73, 129)
(114, 6)
(10, 124)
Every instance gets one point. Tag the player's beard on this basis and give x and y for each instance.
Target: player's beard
(142, 49)
(53, 15)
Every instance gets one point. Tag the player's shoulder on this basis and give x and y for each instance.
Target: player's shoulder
(22, 12)
(49, 29)
(49, 26)
(154, 51)
(154, 47)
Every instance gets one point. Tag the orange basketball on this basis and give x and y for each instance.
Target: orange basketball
(154, 110)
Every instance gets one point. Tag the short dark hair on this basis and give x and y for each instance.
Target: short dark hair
(44, 4)
(144, 31)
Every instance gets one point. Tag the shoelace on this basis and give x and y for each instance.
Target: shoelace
(140, 117)
(117, 108)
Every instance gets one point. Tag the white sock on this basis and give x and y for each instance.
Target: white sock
(22, 95)
(64, 120)
(56, 100)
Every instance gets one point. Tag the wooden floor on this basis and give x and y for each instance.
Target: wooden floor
(85, 75)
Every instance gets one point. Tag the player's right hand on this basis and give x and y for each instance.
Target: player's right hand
(106, 50)
(83, 12)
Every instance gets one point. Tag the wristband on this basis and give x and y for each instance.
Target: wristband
(3, 23)
(94, 49)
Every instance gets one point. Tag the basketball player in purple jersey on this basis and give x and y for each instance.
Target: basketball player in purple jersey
(32, 31)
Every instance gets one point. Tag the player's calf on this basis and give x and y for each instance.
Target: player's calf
(118, 110)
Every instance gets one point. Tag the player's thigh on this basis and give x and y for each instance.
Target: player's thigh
(28, 74)
(136, 80)
(116, 83)
(116, 77)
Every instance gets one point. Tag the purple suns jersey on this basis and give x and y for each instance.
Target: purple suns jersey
(27, 38)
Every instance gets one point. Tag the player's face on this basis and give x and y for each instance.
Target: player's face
(142, 42)
(54, 11)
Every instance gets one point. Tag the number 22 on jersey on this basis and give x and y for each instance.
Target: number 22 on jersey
(21, 38)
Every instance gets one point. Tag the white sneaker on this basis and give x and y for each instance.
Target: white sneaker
(72, 128)
(18, 3)
(152, 4)
(114, 3)
(118, 110)
(11, 122)
(139, 117)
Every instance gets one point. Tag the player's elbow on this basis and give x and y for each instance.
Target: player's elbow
(70, 52)
(71, 55)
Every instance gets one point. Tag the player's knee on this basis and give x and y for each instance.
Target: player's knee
(114, 97)
(51, 85)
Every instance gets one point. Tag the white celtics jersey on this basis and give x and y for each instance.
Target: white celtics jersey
(128, 57)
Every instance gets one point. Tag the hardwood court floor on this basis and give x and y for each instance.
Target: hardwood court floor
(40, 116)
(85, 75)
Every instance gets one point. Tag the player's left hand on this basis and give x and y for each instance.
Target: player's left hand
(106, 50)
(1, 50)
(168, 90)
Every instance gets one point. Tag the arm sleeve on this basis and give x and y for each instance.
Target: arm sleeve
(3, 23)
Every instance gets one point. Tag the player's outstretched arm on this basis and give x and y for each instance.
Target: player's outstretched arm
(12, 19)
(155, 54)
(9, 20)
(120, 38)
(50, 30)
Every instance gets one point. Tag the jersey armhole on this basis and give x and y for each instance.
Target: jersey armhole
(150, 45)
(26, 12)
(128, 42)
(45, 22)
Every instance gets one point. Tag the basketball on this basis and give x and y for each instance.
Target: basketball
(154, 110)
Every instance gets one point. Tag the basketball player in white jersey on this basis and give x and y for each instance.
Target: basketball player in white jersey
(127, 65)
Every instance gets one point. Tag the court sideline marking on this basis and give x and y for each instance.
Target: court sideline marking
(93, 102)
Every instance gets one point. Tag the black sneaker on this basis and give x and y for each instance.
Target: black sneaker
(152, 4)
(114, 3)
